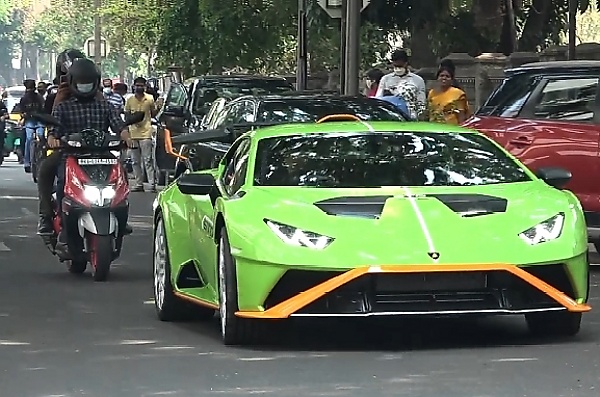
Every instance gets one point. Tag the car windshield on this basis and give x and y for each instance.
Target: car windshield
(209, 91)
(348, 160)
(508, 99)
(311, 109)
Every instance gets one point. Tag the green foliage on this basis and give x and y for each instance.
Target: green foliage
(215, 35)
(59, 28)
(11, 22)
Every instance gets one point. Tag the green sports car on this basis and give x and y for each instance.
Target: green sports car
(356, 219)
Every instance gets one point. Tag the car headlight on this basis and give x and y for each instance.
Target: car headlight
(99, 195)
(547, 230)
(301, 238)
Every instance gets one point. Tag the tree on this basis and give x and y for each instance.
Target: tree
(10, 36)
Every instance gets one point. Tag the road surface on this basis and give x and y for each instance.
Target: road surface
(62, 335)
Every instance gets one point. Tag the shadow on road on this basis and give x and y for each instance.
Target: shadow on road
(395, 335)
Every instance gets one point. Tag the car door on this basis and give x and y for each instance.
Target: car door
(202, 228)
(174, 112)
(560, 126)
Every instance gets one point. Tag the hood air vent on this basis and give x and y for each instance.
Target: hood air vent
(369, 207)
(472, 205)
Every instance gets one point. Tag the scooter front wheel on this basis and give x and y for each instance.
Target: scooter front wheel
(101, 254)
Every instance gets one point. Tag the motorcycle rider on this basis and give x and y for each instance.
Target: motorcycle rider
(82, 107)
(30, 104)
(64, 60)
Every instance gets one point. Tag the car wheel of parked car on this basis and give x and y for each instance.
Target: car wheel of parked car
(234, 330)
(561, 323)
(169, 307)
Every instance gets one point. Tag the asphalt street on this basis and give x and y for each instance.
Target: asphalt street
(64, 335)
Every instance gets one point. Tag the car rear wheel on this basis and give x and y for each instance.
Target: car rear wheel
(168, 306)
(234, 330)
(554, 323)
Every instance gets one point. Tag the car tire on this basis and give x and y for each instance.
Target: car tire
(168, 306)
(554, 323)
(234, 330)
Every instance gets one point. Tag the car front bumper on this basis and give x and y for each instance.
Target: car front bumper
(413, 290)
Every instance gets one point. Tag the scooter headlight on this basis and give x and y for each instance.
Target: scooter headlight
(99, 195)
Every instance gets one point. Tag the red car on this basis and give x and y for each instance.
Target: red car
(548, 114)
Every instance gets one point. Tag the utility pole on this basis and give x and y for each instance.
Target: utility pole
(343, 47)
(302, 53)
(353, 9)
(98, 34)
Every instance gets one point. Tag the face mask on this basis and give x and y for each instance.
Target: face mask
(85, 88)
(107, 90)
(400, 71)
(140, 90)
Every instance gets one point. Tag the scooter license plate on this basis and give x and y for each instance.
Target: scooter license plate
(97, 161)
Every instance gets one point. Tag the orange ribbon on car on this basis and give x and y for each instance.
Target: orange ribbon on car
(169, 146)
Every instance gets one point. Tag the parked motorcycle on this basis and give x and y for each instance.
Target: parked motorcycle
(91, 212)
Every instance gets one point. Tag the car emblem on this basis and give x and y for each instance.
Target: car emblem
(434, 255)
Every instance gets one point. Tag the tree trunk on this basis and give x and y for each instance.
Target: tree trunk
(572, 28)
(533, 32)
(121, 62)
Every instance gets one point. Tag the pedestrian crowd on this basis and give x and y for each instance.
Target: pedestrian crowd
(445, 103)
(39, 98)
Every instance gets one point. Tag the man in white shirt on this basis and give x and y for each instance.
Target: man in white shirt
(406, 84)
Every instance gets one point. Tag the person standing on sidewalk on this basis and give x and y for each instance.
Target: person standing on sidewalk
(141, 134)
(3, 117)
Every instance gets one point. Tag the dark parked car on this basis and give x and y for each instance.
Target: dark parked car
(187, 103)
(548, 114)
(234, 118)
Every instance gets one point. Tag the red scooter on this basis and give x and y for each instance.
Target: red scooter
(91, 212)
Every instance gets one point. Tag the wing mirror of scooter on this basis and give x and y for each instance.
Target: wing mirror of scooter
(134, 118)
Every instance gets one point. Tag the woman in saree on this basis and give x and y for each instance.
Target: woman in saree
(446, 103)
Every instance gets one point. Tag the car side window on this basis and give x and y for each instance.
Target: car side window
(568, 99)
(236, 168)
(247, 112)
(176, 96)
(233, 114)
(509, 98)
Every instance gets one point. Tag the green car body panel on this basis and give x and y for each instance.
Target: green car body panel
(397, 237)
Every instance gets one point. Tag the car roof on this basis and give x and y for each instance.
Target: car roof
(554, 67)
(302, 96)
(356, 127)
(233, 77)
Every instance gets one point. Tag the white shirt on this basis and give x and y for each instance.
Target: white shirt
(411, 87)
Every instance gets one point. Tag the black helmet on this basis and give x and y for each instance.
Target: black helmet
(83, 78)
(64, 61)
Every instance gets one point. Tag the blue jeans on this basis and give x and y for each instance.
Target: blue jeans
(31, 127)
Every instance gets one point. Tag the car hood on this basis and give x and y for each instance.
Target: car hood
(419, 225)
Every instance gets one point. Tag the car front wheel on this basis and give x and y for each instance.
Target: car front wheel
(169, 307)
(234, 330)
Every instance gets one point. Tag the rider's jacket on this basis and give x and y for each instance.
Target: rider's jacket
(31, 103)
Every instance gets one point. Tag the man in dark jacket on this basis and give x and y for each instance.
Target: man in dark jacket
(31, 103)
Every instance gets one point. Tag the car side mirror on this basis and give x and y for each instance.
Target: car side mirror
(174, 111)
(196, 184)
(554, 176)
